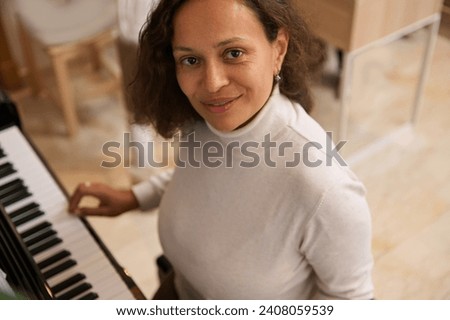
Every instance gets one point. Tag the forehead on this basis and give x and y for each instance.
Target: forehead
(215, 20)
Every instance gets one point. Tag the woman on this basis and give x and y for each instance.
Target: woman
(256, 208)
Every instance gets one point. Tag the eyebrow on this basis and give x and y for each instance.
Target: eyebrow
(229, 41)
(220, 44)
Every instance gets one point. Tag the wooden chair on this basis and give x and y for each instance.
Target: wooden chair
(65, 30)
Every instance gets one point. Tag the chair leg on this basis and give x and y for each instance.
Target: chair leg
(95, 53)
(67, 98)
(34, 76)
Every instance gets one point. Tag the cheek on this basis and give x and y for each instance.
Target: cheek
(260, 80)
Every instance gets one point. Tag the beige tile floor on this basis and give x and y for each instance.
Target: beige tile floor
(408, 180)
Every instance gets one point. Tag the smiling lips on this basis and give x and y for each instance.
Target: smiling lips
(219, 105)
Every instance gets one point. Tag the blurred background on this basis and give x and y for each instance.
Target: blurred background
(384, 88)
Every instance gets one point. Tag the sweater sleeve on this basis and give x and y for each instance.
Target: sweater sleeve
(149, 193)
(337, 244)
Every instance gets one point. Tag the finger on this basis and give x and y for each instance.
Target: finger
(94, 211)
(83, 189)
(75, 199)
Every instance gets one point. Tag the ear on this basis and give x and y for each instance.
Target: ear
(280, 46)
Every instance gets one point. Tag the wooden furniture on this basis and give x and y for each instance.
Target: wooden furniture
(65, 30)
(355, 26)
(446, 7)
(9, 76)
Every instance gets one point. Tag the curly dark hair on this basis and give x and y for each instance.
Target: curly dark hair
(156, 95)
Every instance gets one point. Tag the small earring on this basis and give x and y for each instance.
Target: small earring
(277, 77)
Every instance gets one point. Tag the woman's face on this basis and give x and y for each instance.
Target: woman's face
(224, 62)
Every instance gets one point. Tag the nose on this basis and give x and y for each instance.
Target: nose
(215, 77)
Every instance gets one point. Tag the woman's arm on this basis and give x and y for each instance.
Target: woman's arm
(113, 202)
(337, 244)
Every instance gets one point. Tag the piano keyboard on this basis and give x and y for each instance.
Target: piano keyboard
(70, 259)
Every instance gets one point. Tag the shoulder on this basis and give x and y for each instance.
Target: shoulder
(317, 157)
(309, 158)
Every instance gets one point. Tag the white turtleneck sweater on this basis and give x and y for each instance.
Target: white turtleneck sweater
(283, 229)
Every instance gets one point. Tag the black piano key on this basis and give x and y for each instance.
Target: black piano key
(42, 236)
(53, 259)
(6, 169)
(10, 186)
(45, 246)
(68, 283)
(89, 296)
(33, 230)
(29, 207)
(59, 268)
(75, 291)
(2, 153)
(28, 216)
(13, 191)
(19, 195)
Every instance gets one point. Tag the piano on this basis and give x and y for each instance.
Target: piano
(45, 252)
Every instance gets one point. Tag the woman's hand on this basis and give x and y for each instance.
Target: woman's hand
(112, 202)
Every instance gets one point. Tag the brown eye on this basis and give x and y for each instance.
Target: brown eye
(233, 54)
(189, 61)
